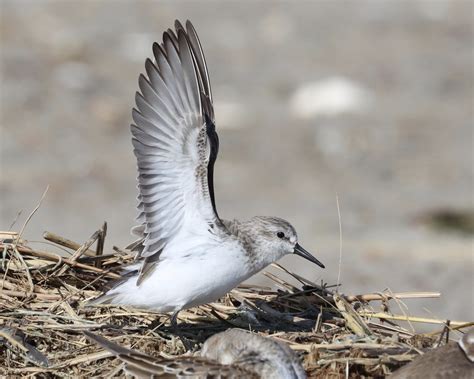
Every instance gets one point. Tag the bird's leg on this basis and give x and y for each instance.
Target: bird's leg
(174, 320)
(174, 326)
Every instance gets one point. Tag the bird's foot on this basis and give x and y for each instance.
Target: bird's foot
(175, 328)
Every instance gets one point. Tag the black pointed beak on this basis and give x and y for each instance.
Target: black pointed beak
(306, 255)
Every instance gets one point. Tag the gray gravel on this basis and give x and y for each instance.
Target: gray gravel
(69, 73)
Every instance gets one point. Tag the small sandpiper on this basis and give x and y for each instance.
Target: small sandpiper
(187, 255)
(232, 354)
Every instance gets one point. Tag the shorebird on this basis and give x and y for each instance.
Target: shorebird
(451, 361)
(235, 353)
(187, 255)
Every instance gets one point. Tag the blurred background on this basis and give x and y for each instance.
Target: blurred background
(370, 101)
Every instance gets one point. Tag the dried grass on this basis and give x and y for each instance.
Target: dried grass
(42, 314)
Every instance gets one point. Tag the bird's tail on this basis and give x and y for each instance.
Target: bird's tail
(110, 296)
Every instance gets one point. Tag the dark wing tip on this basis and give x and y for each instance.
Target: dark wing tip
(150, 68)
(178, 26)
(170, 35)
(190, 26)
(155, 46)
(183, 41)
(157, 50)
(167, 37)
(141, 78)
(135, 116)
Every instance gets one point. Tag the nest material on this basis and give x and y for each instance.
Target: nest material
(43, 312)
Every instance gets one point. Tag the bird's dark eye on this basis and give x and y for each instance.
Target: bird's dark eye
(281, 235)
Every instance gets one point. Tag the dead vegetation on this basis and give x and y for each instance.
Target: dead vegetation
(43, 312)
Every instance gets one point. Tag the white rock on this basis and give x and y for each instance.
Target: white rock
(329, 97)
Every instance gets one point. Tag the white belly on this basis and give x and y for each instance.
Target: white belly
(186, 281)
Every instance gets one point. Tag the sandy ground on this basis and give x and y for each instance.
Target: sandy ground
(371, 101)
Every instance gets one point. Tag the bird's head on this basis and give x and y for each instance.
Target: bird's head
(278, 237)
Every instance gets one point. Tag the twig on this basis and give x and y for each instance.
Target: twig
(279, 281)
(413, 318)
(451, 328)
(56, 258)
(100, 244)
(404, 309)
(350, 345)
(340, 244)
(296, 276)
(31, 215)
(370, 361)
(81, 250)
(388, 296)
(15, 220)
(27, 270)
(353, 319)
(66, 243)
(85, 358)
(23, 294)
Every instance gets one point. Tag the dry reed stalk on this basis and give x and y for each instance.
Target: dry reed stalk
(43, 310)
(424, 320)
(61, 241)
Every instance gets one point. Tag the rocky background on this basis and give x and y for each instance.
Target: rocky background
(370, 101)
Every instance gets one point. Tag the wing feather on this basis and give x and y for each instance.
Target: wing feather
(166, 73)
(174, 141)
(200, 59)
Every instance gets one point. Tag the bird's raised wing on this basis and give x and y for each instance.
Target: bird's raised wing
(174, 140)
